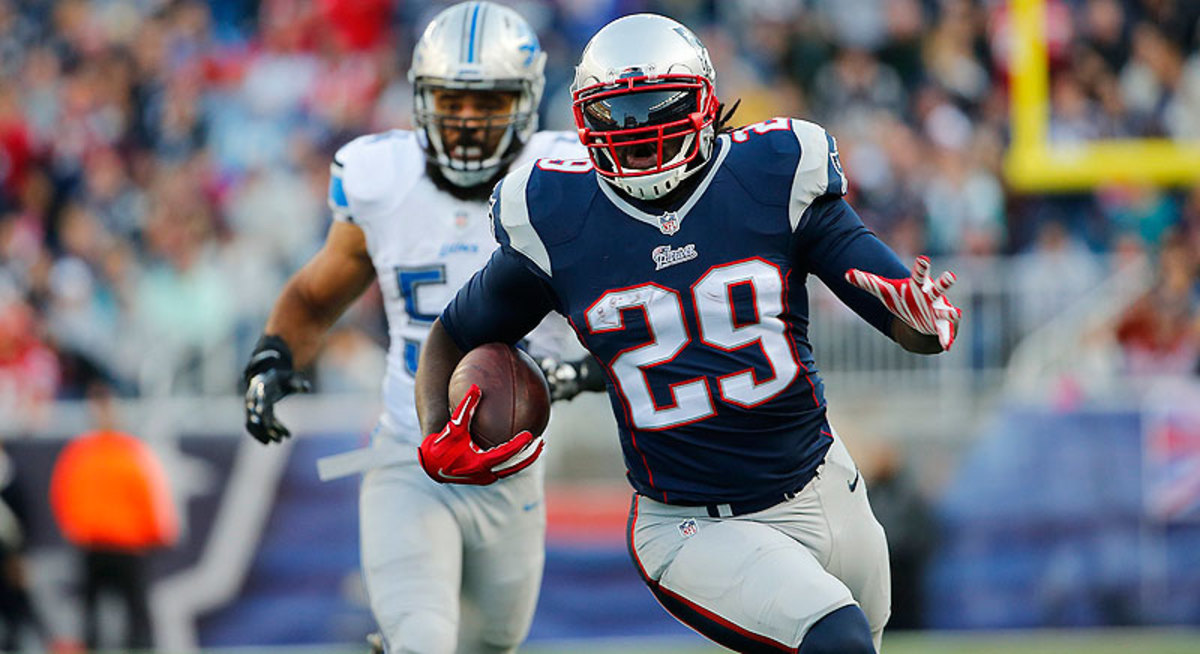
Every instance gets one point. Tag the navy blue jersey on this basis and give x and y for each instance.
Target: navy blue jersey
(699, 315)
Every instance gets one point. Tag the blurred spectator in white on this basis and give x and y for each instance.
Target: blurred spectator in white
(1076, 117)
(81, 319)
(950, 52)
(1055, 273)
(965, 205)
(856, 23)
(183, 299)
(853, 88)
(1154, 71)
(1183, 110)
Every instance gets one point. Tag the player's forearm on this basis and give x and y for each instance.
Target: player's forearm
(301, 320)
(913, 340)
(439, 356)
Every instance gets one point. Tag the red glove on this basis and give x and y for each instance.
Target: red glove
(451, 457)
(918, 301)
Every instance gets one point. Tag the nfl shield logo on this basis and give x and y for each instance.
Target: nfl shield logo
(668, 223)
(461, 219)
(688, 528)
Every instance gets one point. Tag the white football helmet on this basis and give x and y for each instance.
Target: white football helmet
(477, 46)
(645, 104)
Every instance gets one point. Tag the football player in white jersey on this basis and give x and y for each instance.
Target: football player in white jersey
(411, 210)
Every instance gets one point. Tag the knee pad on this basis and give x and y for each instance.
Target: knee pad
(844, 631)
(421, 633)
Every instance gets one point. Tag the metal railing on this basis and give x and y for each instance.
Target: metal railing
(1022, 318)
(1017, 331)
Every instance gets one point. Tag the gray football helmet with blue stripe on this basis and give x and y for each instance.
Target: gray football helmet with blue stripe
(479, 46)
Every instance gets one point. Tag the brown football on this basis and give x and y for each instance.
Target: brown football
(515, 395)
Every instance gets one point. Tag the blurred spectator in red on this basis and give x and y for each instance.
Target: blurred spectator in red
(16, 145)
(1160, 333)
(29, 369)
(361, 25)
(110, 498)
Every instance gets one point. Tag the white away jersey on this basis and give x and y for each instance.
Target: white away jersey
(424, 243)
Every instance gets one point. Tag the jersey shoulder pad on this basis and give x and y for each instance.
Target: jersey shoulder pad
(540, 204)
(372, 169)
(819, 171)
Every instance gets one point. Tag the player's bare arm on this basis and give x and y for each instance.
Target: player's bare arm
(438, 359)
(310, 303)
(317, 295)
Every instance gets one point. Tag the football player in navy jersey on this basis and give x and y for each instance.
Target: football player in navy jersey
(679, 252)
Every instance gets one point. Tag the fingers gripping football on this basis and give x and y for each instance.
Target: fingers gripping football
(450, 456)
(919, 301)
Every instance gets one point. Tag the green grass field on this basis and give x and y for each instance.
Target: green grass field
(1166, 641)
(1105, 641)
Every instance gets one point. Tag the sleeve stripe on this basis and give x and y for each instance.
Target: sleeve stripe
(837, 176)
(337, 193)
(514, 217)
(812, 171)
(339, 204)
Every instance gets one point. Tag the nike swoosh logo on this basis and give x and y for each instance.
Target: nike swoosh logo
(531, 506)
(854, 484)
(445, 475)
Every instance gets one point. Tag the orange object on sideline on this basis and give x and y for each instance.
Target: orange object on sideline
(109, 491)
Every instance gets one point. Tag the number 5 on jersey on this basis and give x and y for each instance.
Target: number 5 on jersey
(719, 327)
(408, 280)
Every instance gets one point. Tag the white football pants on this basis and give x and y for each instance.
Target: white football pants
(425, 546)
(762, 579)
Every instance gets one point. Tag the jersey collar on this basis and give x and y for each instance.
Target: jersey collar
(662, 220)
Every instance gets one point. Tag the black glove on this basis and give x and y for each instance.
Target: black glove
(570, 378)
(268, 378)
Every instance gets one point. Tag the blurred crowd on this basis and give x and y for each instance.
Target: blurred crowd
(163, 163)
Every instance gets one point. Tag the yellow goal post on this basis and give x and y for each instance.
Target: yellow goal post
(1033, 164)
